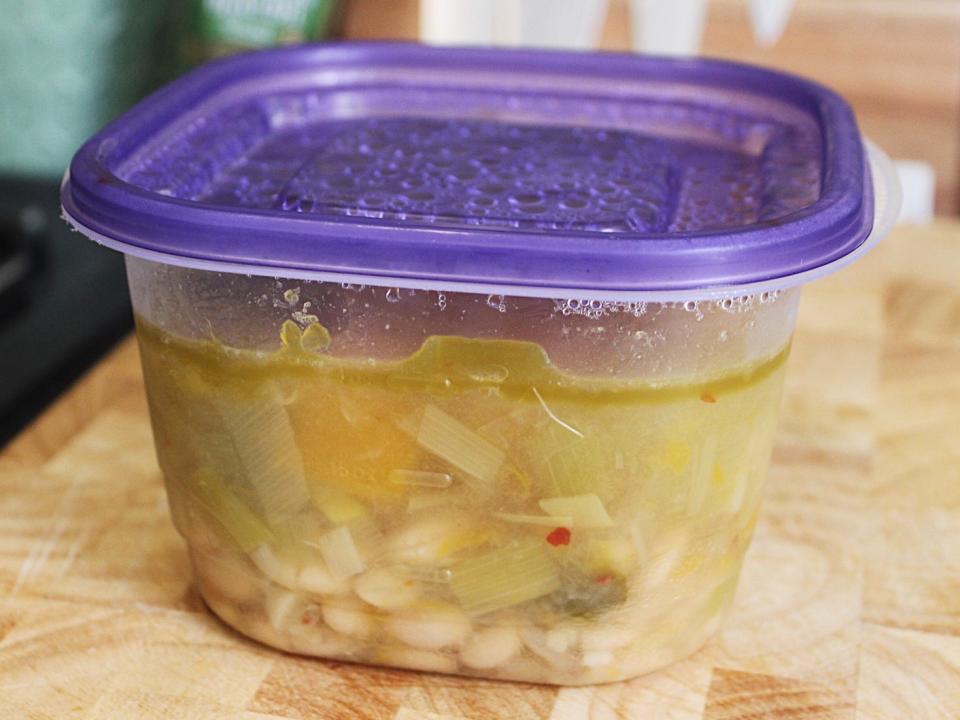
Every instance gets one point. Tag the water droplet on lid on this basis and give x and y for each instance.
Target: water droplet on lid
(393, 295)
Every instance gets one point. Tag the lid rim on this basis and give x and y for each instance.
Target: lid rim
(138, 220)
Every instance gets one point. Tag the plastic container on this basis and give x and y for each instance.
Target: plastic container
(467, 360)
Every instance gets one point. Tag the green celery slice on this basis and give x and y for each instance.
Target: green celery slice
(448, 438)
(340, 553)
(270, 461)
(239, 521)
(504, 577)
(586, 511)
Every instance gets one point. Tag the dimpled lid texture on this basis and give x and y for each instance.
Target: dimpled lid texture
(478, 166)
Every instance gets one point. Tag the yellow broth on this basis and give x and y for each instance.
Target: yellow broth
(470, 508)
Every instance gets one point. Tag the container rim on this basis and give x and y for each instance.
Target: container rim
(101, 203)
(887, 203)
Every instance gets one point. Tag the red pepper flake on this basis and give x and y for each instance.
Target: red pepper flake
(559, 536)
(306, 619)
(604, 579)
(708, 398)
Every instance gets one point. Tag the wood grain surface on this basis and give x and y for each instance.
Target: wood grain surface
(848, 608)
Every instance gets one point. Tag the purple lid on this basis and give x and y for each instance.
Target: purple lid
(524, 169)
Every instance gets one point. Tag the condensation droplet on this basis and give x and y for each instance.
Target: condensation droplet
(292, 296)
(497, 302)
(393, 295)
(442, 301)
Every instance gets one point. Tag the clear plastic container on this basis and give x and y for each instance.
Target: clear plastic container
(452, 380)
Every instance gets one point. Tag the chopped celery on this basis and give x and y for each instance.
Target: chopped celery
(340, 553)
(586, 510)
(240, 522)
(504, 577)
(305, 527)
(569, 465)
(263, 441)
(451, 440)
(545, 520)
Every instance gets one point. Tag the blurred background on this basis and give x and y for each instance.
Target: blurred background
(69, 66)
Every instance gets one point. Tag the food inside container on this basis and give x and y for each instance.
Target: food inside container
(470, 361)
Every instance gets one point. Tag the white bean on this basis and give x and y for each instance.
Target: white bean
(536, 641)
(423, 540)
(561, 640)
(597, 658)
(279, 570)
(283, 608)
(430, 628)
(404, 657)
(348, 619)
(385, 589)
(315, 578)
(605, 637)
(320, 641)
(490, 647)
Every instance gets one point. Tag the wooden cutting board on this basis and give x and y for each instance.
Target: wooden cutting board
(849, 605)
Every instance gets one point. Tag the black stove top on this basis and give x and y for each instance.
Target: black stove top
(63, 302)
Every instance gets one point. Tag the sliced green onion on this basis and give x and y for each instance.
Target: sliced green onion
(503, 578)
(586, 511)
